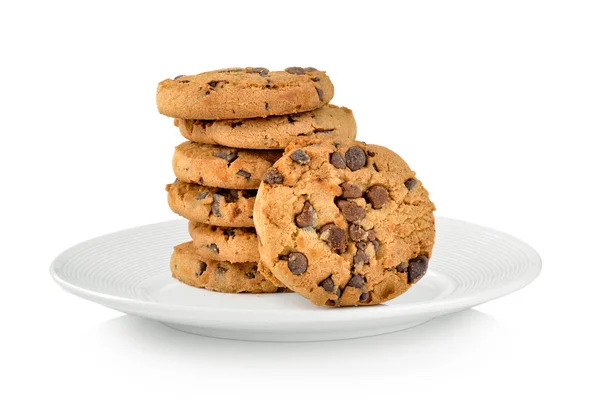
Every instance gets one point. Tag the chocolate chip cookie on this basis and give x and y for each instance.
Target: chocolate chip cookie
(243, 93)
(275, 132)
(214, 206)
(192, 269)
(232, 244)
(222, 167)
(344, 223)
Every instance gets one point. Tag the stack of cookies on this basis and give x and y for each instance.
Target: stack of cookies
(237, 122)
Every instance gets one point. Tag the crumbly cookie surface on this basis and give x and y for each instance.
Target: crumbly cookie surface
(344, 223)
(214, 206)
(243, 93)
(275, 132)
(222, 167)
(192, 269)
(232, 244)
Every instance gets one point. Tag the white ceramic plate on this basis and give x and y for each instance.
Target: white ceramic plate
(129, 271)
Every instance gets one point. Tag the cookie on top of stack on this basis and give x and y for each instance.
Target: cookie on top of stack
(237, 122)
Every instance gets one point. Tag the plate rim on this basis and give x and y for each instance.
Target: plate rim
(440, 306)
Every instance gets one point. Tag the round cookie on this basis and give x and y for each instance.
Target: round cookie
(236, 245)
(192, 269)
(275, 132)
(344, 223)
(214, 206)
(219, 166)
(243, 93)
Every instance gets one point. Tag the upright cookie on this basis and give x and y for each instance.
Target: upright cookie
(275, 132)
(214, 206)
(344, 223)
(218, 166)
(192, 269)
(236, 245)
(243, 93)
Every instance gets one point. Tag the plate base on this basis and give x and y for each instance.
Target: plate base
(287, 336)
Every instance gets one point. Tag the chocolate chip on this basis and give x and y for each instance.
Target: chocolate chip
(295, 70)
(178, 76)
(221, 270)
(417, 268)
(315, 79)
(320, 93)
(201, 268)
(252, 273)
(300, 156)
(351, 211)
(215, 209)
(297, 263)
(245, 174)
(410, 183)
(236, 124)
(337, 160)
(229, 233)
(401, 268)
(307, 217)
(228, 156)
(183, 81)
(371, 235)
(355, 158)
(334, 236)
(357, 281)
(375, 245)
(272, 176)
(360, 257)
(338, 292)
(310, 69)
(213, 84)
(263, 72)
(202, 195)
(214, 248)
(361, 245)
(281, 289)
(290, 119)
(248, 193)
(350, 191)
(327, 284)
(357, 233)
(230, 195)
(365, 297)
(377, 196)
(370, 153)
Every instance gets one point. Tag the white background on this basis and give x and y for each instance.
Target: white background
(495, 104)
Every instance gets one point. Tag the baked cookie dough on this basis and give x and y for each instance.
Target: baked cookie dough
(192, 269)
(344, 223)
(214, 206)
(243, 93)
(232, 244)
(222, 167)
(275, 132)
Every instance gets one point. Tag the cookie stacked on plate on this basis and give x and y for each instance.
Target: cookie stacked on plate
(237, 122)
